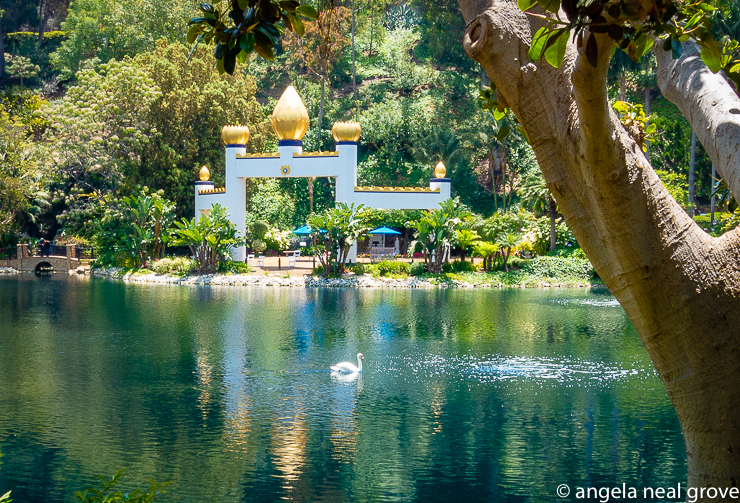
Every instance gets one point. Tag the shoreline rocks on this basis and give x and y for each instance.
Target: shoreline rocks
(346, 281)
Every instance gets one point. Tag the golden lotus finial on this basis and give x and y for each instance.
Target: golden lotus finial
(235, 135)
(346, 131)
(204, 174)
(290, 117)
(440, 171)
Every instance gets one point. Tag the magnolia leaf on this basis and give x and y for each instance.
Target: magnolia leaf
(265, 51)
(525, 4)
(499, 114)
(220, 66)
(592, 51)
(651, 129)
(298, 25)
(538, 45)
(503, 133)
(556, 52)
(193, 33)
(307, 11)
(711, 58)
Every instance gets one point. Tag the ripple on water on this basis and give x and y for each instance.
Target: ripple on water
(493, 368)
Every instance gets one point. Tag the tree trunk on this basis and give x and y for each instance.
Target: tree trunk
(714, 196)
(553, 210)
(321, 110)
(354, 73)
(622, 86)
(647, 113)
(692, 176)
(2, 49)
(310, 194)
(678, 285)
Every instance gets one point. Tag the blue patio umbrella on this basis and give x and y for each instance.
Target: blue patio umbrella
(303, 231)
(384, 230)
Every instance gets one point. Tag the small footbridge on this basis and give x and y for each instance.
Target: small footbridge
(60, 258)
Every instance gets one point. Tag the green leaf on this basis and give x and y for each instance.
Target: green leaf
(499, 114)
(592, 51)
(651, 129)
(503, 133)
(307, 11)
(220, 66)
(298, 25)
(538, 45)
(525, 4)
(711, 58)
(246, 43)
(265, 52)
(556, 52)
(193, 33)
(550, 5)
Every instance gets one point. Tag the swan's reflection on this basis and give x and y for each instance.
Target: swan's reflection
(348, 379)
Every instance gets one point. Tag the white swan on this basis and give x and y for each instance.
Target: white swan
(347, 367)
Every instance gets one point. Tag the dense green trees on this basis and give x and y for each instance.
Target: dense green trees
(416, 100)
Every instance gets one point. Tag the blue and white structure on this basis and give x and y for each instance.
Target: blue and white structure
(290, 123)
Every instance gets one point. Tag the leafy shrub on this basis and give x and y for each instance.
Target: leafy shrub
(124, 259)
(389, 267)
(182, 265)
(277, 240)
(446, 267)
(106, 495)
(559, 267)
(162, 266)
(358, 269)
(417, 269)
(466, 266)
(731, 221)
(318, 270)
(226, 266)
(715, 228)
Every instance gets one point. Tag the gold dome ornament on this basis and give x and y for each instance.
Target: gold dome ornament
(346, 131)
(290, 117)
(440, 171)
(204, 174)
(235, 135)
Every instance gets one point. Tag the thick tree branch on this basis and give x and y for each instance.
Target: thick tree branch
(710, 105)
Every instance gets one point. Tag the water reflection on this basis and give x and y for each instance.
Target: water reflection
(466, 395)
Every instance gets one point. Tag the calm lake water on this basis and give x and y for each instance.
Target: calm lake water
(475, 396)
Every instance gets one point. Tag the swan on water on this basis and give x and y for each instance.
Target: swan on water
(347, 367)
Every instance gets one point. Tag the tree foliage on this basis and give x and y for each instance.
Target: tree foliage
(210, 240)
(335, 230)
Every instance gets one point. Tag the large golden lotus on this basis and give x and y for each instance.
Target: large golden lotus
(290, 117)
(346, 131)
(235, 135)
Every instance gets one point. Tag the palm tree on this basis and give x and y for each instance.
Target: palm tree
(466, 238)
(537, 196)
(508, 241)
(438, 145)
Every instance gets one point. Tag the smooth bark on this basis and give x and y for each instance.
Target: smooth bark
(679, 286)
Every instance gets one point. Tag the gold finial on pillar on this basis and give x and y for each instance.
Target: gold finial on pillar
(290, 117)
(204, 174)
(235, 135)
(346, 131)
(440, 171)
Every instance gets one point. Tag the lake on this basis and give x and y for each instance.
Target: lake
(467, 395)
